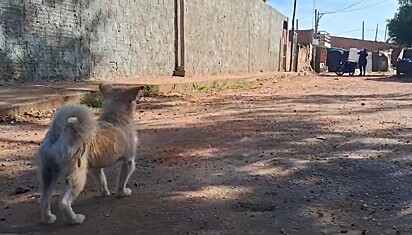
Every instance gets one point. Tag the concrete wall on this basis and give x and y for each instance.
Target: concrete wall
(102, 39)
(225, 37)
(71, 39)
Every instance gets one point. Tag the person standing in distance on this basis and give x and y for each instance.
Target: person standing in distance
(363, 55)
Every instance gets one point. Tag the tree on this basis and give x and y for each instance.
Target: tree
(400, 27)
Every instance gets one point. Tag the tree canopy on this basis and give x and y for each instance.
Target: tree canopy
(400, 27)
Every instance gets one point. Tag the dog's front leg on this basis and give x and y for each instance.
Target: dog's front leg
(126, 171)
(74, 185)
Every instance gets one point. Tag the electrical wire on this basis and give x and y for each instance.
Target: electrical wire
(357, 9)
(346, 8)
(372, 5)
(350, 31)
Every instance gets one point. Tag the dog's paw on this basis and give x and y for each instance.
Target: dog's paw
(105, 193)
(125, 192)
(50, 219)
(79, 219)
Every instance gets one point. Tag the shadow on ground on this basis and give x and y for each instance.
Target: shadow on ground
(254, 169)
(401, 79)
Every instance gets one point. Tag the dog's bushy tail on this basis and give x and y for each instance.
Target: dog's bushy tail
(75, 120)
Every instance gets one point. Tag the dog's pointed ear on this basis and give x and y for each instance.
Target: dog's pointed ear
(105, 88)
(133, 93)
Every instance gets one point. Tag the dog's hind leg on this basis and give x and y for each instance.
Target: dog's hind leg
(101, 181)
(47, 180)
(75, 182)
(126, 171)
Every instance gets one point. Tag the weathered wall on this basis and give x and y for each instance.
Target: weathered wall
(72, 39)
(102, 39)
(35, 41)
(303, 58)
(226, 37)
(135, 38)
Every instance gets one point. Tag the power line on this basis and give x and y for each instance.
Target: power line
(350, 31)
(372, 5)
(346, 8)
(373, 30)
(357, 9)
(320, 15)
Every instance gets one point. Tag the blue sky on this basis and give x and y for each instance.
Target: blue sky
(347, 23)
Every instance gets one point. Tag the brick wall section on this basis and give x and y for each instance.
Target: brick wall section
(305, 37)
(103, 39)
(347, 43)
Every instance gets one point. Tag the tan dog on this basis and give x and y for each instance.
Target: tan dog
(77, 143)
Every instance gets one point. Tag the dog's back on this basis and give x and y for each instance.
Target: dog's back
(111, 143)
(72, 126)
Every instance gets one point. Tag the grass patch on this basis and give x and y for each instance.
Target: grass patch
(93, 101)
(149, 91)
(216, 86)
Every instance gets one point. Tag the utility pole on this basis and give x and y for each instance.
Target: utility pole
(315, 27)
(297, 47)
(386, 32)
(318, 16)
(293, 36)
(316, 50)
(376, 33)
(313, 17)
(363, 30)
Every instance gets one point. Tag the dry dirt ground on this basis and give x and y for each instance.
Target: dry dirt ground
(309, 155)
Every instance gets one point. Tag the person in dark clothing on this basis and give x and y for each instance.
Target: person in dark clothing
(363, 61)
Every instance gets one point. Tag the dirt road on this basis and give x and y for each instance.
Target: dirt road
(304, 156)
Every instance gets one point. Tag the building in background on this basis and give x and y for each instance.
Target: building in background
(378, 50)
